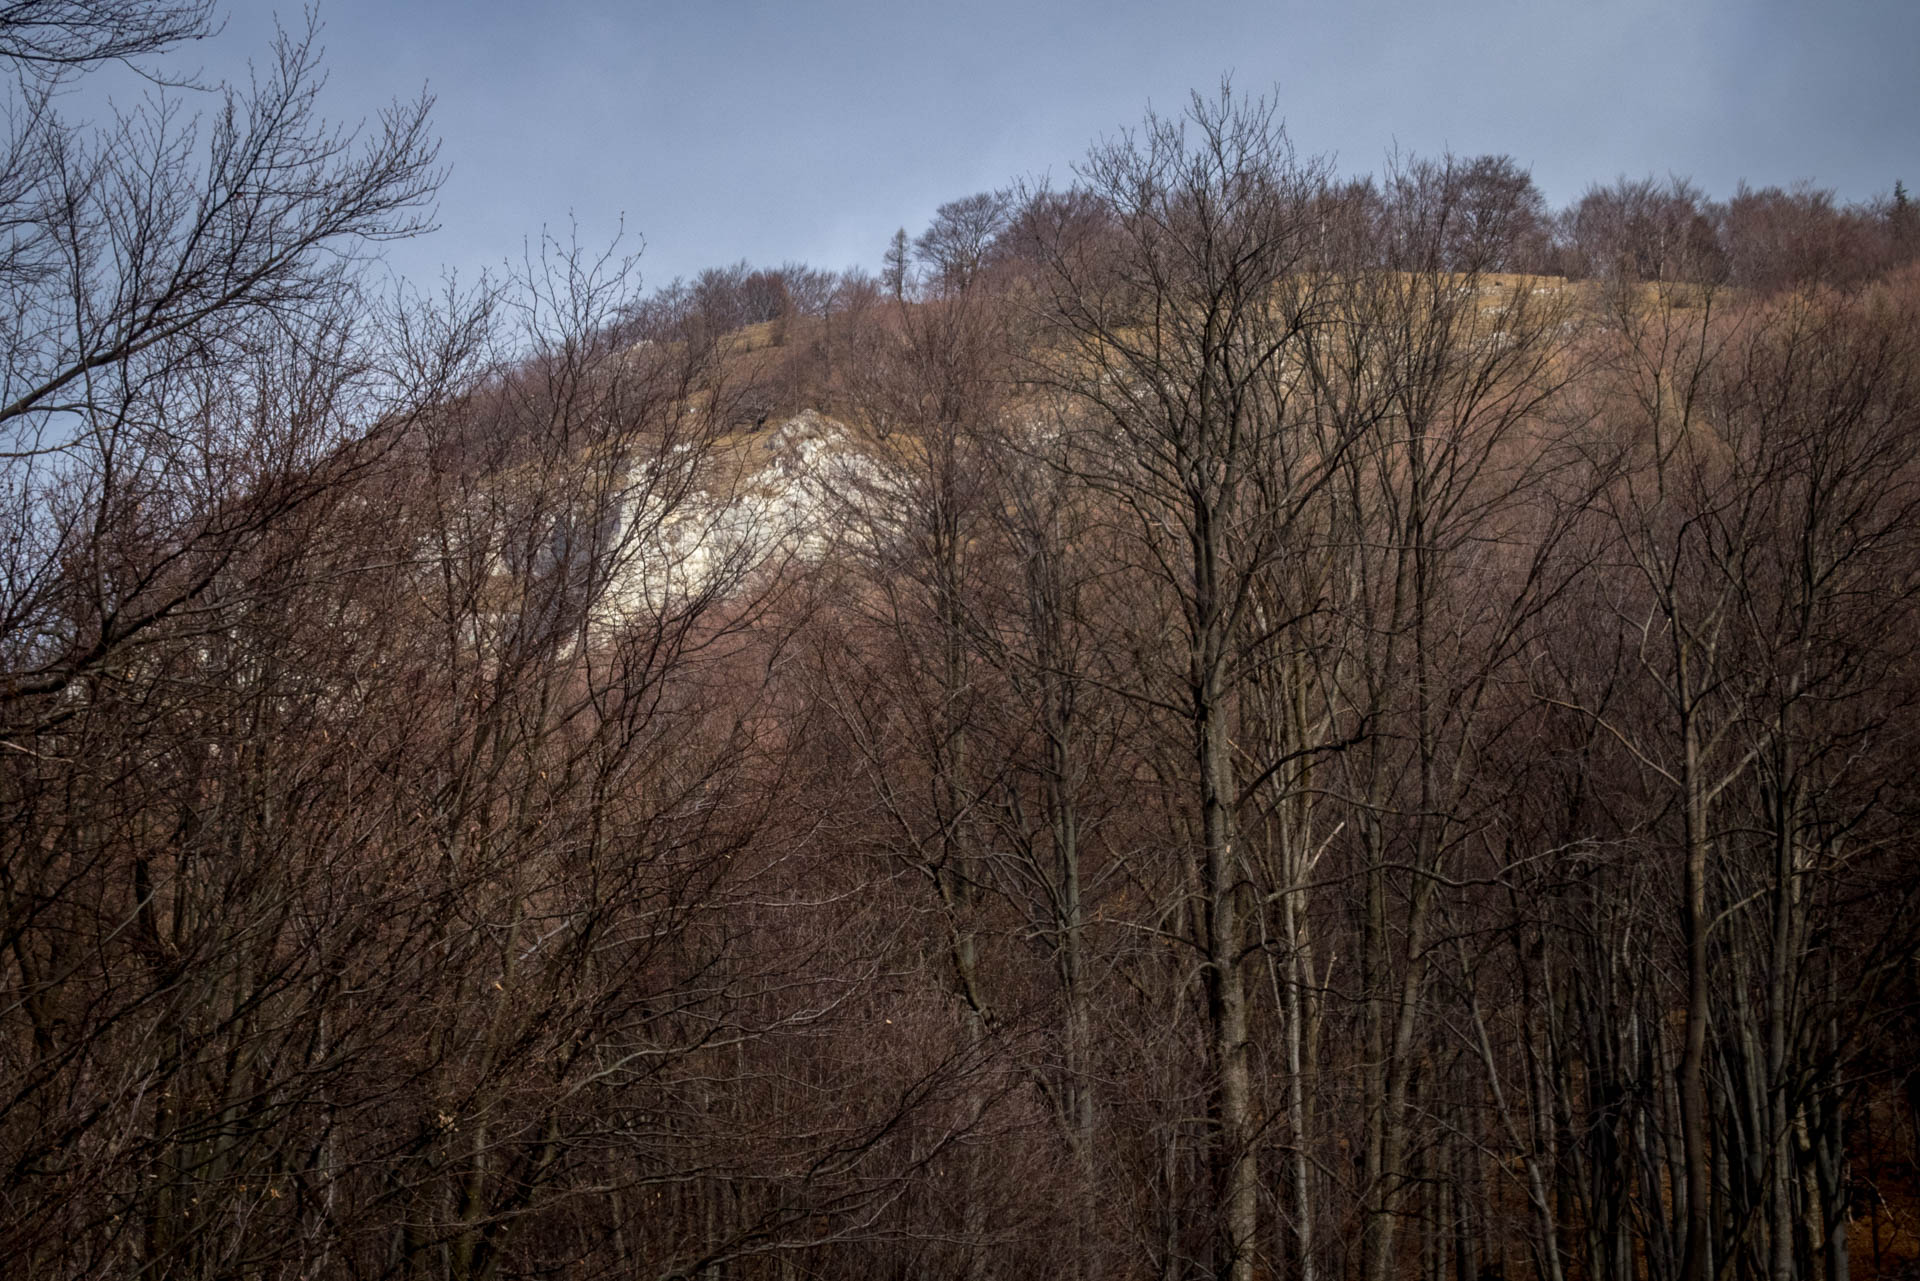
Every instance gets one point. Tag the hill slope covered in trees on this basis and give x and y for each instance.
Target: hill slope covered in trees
(1221, 721)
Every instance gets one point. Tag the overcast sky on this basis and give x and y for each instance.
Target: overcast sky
(810, 129)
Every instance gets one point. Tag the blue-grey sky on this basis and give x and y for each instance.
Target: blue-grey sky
(810, 129)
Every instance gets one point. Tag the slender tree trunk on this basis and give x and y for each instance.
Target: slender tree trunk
(1226, 990)
(1697, 1261)
(1780, 1114)
(1294, 939)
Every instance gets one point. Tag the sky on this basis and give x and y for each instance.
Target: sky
(707, 131)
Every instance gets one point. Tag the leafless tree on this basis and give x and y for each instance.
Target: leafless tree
(145, 264)
(957, 244)
(43, 38)
(1182, 339)
(1640, 229)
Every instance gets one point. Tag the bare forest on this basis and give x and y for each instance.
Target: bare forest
(1216, 719)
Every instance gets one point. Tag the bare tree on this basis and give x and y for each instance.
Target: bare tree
(957, 244)
(1182, 339)
(52, 37)
(143, 264)
(1640, 229)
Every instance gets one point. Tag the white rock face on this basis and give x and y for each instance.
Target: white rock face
(784, 502)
